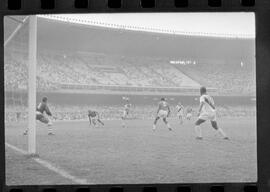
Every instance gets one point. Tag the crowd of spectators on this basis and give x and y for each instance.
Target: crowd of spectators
(15, 70)
(229, 78)
(59, 68)
(93, 69)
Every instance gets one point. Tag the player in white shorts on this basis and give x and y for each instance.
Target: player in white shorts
(162, 112)
(180, 112)
(126, 111)
(207, 111)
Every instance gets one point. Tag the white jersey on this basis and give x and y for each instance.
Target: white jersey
(127, 106)
(126, 109)
(206, 100)
(179, 108)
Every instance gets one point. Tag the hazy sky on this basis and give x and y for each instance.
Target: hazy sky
(216, 24)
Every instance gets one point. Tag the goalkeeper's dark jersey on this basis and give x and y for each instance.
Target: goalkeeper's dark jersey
(92, 113)
(44, 107)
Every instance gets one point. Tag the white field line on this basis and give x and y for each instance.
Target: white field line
(51, 167)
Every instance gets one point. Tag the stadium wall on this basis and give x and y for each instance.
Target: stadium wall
(116, 99)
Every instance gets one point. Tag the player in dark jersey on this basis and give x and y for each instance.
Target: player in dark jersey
(162, 112)
(93, 117)
(40, 110)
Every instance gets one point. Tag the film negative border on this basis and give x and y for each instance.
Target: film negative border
(54, 6)
(140, 188)
(261, 9)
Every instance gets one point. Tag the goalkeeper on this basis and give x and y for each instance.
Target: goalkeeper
(41, 108)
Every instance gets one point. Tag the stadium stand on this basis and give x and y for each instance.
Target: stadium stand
(56, 68)
(94, 69)
(229, 78)
(146, 60)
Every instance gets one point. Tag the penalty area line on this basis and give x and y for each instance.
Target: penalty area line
(49, 166)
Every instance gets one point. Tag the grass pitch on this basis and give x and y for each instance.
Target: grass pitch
(136, 154)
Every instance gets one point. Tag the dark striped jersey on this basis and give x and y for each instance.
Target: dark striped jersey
(92, 113)
(44, 107)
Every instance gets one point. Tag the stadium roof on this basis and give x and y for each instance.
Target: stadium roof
(76, 36)
(228, 25)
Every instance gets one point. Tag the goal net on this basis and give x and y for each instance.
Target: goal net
(20, 76)
(15, 69)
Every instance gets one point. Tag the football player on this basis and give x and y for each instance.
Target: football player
(207, 111)
(42, 113)
(163, 112)
(94, 117)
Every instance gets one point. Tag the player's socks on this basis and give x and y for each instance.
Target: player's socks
(169, 126)
(222, 133)
(198, 132)
(154, 127)
(50, 131)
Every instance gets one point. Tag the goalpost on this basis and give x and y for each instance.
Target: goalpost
(31, 63)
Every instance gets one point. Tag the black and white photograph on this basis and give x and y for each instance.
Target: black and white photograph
(130, 98)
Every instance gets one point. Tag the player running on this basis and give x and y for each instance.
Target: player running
(41, 108)
(163, 112)
(94, 117)
(207, 111)
(126, 110)
(180, 112)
